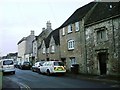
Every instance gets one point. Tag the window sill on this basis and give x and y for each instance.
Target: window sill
(71, 49)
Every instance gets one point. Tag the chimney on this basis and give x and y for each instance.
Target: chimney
(43, 29)
(32, 32)
(48, 24)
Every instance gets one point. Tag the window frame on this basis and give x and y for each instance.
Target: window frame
(63, 31)
(101, 34)
(77, 26)
(70, 28)
(43, 51)
(52, 49)
(71, 44)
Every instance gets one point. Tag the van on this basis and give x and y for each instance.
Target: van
(53, 67)
(7, 65)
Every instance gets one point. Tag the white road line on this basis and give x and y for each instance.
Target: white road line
(22, 86)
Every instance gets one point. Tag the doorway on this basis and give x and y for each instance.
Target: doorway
(102, 62)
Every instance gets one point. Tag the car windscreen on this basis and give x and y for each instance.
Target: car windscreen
(26, 63)
(7, 62)
(58, 64)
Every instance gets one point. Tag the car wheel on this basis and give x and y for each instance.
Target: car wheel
(48, 72)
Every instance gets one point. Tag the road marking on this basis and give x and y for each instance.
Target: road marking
(22, 86)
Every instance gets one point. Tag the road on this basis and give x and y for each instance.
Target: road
(30, 80)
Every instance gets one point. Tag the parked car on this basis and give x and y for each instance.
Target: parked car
(16, 64)
(35, 67)
(25, 65)
(53, 67)
(7, 65)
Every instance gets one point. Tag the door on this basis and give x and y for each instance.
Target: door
(102, 63)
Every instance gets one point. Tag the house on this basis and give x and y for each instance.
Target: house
(90, 38)
(34, 51)
(52, 43)
(102, 32)
(50, 47)
(72, 48)
(41, 41)
(25, 48)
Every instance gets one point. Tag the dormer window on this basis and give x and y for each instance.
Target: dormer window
(70, 28)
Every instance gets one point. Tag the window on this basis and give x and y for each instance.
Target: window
(73, 60)
(47, 50)
(71, 44)
(8, 62)
(63, 31)
(43, 50)
(101, 35)
(52, 49)
(69, 28)
(77, 26)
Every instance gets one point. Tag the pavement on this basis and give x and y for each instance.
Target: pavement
(99, 78)
(7, 83)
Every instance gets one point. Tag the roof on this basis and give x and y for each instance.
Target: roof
(78, 14)
(24, 38)
(102, 11)
(55, 35)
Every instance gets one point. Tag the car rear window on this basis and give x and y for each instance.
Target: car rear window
(8, 62)
(26, 63)
(58, 64)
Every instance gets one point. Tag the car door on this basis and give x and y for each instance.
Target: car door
(42, 68)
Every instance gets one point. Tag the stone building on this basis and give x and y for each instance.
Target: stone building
(50, 47)
(34, 52)
(90, 37)
(72, 39)
(102, 32)
(25, 48)
(41, 40)
(52, 43)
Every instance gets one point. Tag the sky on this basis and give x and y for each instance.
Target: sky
(19, 17)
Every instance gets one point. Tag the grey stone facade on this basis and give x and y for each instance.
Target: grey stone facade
(107, 49)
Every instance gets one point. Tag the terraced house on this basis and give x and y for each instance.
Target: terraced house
(90, 37)
(72, 40)
(41, 48)
(102, 42)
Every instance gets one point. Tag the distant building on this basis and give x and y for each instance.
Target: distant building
(25, 47)
(50, 47)
(34, 53)
(11, 56)
(41, 39)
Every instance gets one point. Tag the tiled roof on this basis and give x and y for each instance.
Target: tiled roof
(55, 35)
(102, 11)
(78, 14)
(24, 38)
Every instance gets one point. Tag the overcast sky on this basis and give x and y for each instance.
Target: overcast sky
(19, 17)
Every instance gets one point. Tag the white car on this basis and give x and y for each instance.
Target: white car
(7, 65)
(36, 66)
(52, 67)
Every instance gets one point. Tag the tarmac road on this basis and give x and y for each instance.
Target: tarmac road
(32, 80)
